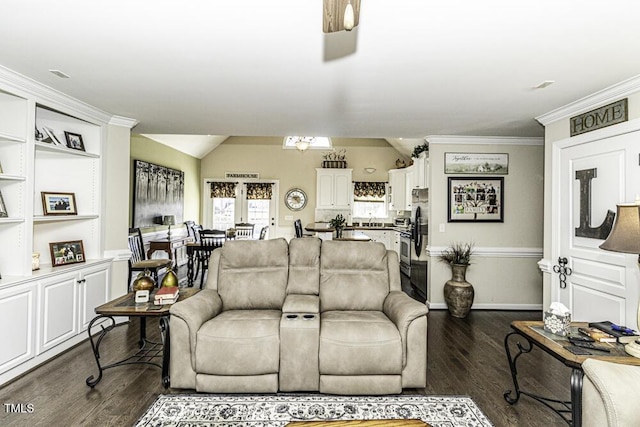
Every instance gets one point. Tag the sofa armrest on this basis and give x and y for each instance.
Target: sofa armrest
(296, 303)
(401, 309)
(610, 393)
(196, 310)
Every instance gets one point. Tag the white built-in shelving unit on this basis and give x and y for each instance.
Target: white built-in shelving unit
(49, 308)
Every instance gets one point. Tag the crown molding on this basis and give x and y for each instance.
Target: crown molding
(51, 97)
(483, 140)
(123, 121)
(598, 99)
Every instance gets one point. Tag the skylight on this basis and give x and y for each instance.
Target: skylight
(304, 142)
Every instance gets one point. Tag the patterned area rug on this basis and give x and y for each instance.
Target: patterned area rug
(278, 410)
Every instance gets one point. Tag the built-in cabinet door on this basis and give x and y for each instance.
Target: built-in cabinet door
(333, 188)
(58, 312)
(397, 189)
(94, 291)
(409, 186)
(381, 236)
(17, 317)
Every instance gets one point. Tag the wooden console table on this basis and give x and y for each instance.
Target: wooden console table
(555, 345)
(171, 246)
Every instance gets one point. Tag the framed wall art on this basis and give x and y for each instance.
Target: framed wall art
(157, 191)
(476, 163)
(476, 199)
(59, 203)
(64, 253)
(74, 141)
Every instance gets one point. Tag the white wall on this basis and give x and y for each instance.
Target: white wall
(504, 271)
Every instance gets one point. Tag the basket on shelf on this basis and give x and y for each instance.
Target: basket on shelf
(335, 164)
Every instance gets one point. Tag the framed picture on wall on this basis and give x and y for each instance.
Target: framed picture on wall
(64, 253)
(74, 141)
(476, 199)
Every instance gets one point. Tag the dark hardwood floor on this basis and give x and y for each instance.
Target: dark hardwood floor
(465, 357)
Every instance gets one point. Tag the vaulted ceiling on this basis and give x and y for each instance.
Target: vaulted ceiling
(265, 68)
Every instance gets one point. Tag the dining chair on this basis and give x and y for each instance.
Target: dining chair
(297, 225)
(210, 240)
(139, 261)
(244, 231)
(263, 232)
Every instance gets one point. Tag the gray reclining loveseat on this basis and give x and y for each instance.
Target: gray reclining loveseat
(308, 315)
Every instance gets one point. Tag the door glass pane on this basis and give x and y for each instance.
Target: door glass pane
(258, 214)
(223, 213)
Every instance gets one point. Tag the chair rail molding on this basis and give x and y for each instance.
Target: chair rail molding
(494, 252)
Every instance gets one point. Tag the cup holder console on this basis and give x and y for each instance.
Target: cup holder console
(309, 316)
(292, 316)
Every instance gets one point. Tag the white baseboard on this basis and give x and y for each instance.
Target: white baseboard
(493, 306)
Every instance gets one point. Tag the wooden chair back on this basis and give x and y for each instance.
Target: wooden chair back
(263, 232)
(244, 231)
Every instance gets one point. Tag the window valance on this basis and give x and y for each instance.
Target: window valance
(223, 189)
(259, 190)
(366, 191)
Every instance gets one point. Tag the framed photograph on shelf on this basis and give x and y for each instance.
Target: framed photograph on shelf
(64, 253)
(476, 163)
(74, 141)
(3, 208)
(51, 135)
(59, 203)
(476, 199)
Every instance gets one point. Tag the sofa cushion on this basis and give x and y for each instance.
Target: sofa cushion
(359, 343)
(253, 274)
(304, 266)
(353, 276)
(239, 342)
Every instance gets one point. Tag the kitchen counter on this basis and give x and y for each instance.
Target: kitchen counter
(318, 228)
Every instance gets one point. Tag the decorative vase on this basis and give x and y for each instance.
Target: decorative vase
(338, 233)
(170, 279)
(35, 261)
(458, 293)
(144, 282)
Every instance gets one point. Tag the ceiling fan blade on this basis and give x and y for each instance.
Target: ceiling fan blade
(333, 14)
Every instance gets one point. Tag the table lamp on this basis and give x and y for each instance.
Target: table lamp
(169, 220)
(625, 237)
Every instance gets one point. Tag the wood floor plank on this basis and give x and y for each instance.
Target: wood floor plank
(465, 357)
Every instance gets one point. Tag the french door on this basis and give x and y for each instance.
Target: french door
(244, 205)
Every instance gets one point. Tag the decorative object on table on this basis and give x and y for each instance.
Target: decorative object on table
(156, 189)
(59, 203)
(458, 293)
(400, 164)
(144, 282)
(335, 159)
(3, 208)
(338, 224)
(51, 136)
(142, 297)
(64, 253)
(166, 295)
(597, 335)
(476, 199)
(476, 163)
(280, 409)
(625, 238)
(169, 220)
(418, 149)
(557, 319)
(295, 199)
(170, 279)
(35, 261)
(74, 141)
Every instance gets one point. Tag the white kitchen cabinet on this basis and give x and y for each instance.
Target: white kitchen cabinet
(421, 165)
(382, 236)
(397, 191)
(17, 317)
(409, 186)
(333, 188)
(396, 242)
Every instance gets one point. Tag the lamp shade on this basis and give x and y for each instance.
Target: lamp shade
(168, 220)
(625, 236)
